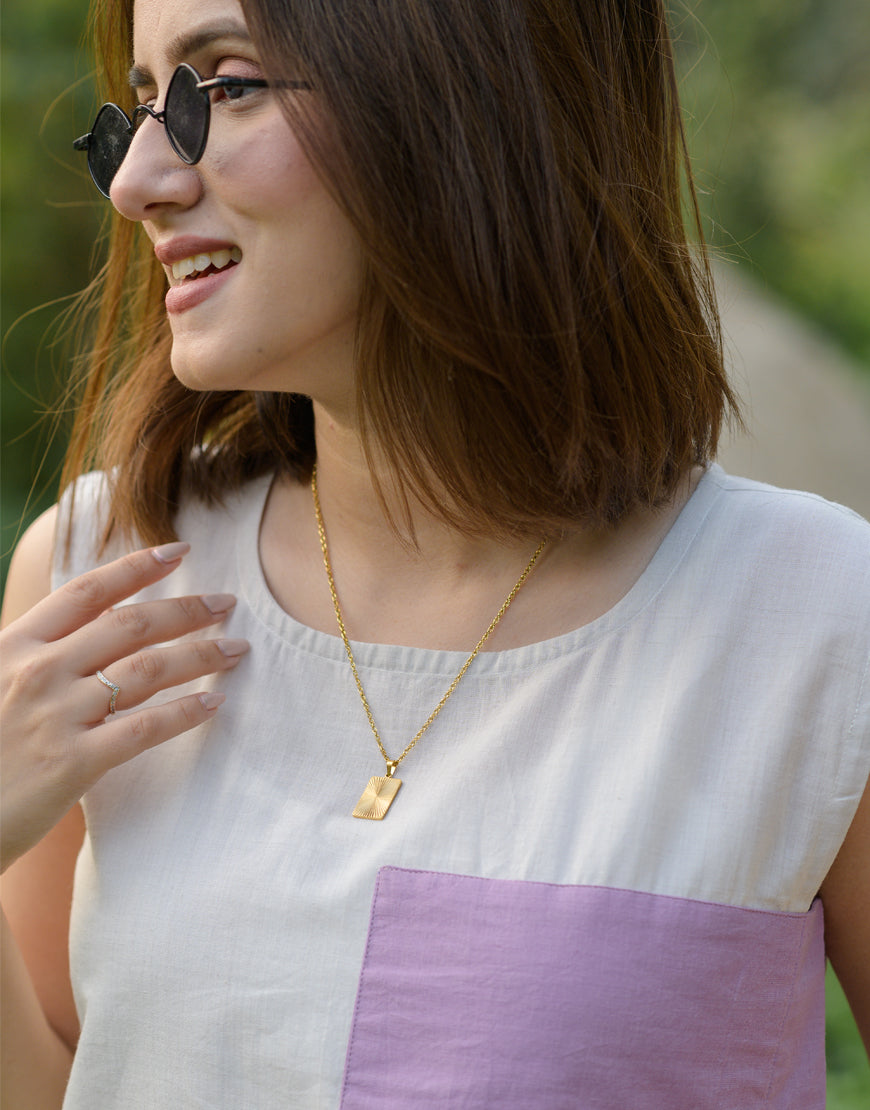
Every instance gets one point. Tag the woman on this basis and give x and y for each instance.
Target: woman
(435, 373)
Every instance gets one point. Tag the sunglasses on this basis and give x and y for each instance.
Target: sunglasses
(186, 116)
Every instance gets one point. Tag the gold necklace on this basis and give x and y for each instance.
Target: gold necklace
(378, 796)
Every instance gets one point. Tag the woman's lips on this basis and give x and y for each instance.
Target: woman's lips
(193, 291)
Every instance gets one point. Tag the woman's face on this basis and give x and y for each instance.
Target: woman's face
(282, 317)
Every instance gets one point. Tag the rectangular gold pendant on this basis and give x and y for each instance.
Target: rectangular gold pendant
(377, 798)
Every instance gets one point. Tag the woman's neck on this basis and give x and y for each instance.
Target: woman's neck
(442, 589)
(366, 514)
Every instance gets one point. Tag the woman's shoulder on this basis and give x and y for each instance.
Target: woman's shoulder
(29, 578)
(783, 569)
(82, 514)
(782, 507)
(208, 523)
(788, 531)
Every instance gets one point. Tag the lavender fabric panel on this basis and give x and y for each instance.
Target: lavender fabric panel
(477, 993)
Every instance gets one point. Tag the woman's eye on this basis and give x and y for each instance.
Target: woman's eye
(233, 92)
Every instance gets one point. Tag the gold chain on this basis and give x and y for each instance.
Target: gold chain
(392, 764)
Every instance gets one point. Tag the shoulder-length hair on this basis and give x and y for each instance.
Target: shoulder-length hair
(537, 344)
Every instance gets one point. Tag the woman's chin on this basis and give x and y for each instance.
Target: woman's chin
(199, 374)
(194, 383)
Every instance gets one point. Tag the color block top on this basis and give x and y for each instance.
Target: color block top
(595, 888)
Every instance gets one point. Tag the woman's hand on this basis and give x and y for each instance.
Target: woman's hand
(58, 735)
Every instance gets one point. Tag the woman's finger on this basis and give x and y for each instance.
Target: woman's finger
(148, 672)
(80, 600)
(120, 632)
(42, 783)
(122, 738)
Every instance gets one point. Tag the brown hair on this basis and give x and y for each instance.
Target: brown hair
(537, 342)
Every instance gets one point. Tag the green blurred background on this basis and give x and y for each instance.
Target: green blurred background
(777, 100)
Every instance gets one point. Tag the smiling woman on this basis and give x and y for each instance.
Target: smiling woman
(265, 205)
(204, 264)
(406, 366)
(439, 230)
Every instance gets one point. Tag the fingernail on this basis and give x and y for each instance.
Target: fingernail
(218, 603)
(233, 647)
(170, 552)
(211, 701)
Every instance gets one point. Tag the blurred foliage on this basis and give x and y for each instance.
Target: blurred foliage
(50, 222)
(777, 98)
(776, 94)
(848, 1070)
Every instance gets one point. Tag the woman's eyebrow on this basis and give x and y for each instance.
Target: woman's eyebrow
(190, 42)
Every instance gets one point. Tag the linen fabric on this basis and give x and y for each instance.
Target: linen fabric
(674, 778)
(592, 997)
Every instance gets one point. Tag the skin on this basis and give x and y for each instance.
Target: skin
(254, 189)
(283, 319)
(57, 742)
(845, 895)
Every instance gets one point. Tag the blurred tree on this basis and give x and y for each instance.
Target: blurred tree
(776, 94)
(50, 222)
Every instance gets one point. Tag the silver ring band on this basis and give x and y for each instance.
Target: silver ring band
(115, 690)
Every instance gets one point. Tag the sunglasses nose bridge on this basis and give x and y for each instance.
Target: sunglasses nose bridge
(118, 162)
(141, 112)
(136, 118)
(185, 117)
(109, 141)
(144, 111)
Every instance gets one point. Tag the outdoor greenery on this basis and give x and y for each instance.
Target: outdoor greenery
(776, 95)
(50, 221)
(848, 1071)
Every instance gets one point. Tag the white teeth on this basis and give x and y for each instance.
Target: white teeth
(199, 262)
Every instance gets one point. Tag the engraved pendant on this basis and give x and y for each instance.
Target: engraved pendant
(377, 797)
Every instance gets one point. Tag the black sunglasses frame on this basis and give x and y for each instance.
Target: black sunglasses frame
(142, 111)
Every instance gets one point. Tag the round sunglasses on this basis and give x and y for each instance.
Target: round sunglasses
(186, 116)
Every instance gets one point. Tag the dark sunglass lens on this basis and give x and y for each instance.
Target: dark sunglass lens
(110, 141)
(187, 114)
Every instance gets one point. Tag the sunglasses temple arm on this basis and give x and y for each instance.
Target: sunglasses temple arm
(82, 142)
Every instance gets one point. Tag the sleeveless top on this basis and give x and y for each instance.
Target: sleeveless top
(597, 885)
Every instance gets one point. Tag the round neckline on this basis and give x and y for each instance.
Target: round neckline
(399, 657)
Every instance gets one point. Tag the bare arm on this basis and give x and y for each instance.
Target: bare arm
(39, 1022)
(36, 893)
(846, 898)
(57, 742)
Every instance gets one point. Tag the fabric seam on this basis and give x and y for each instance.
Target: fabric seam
(356, 1005)
(593, 886)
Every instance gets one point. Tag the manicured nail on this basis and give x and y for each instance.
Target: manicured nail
(218, 603)
(211, 701)
(170, 552)
(233, 647)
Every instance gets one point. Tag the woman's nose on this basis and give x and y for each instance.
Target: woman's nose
(152, 175)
